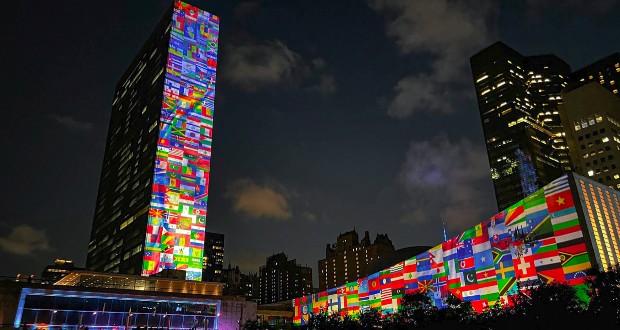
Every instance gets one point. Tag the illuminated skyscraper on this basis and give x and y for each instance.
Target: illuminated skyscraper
(152, 201)
(520, 99)
(517, 99)
(605, 71)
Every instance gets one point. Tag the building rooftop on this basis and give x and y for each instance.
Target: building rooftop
(139, 283)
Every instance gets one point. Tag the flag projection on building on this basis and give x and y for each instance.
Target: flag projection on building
(178, 209)
(537, 240)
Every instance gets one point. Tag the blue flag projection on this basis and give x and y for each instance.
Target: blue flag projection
(537, 240)
(178, 209)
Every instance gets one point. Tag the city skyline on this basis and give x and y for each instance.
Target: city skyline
(366, 120)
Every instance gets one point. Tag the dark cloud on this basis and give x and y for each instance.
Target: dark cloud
(326, 84)
(258, 202)
(245, 10)
(254, 65)
(24, 240)
(72, 123)
(444, 180)
(447, 30)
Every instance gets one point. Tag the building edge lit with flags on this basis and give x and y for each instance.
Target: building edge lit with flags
(152, 201)
(554, 234)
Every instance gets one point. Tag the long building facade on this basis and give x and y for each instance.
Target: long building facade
(152, 202)
(555, 234)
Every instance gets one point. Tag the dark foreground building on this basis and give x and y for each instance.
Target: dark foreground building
(213, 259)
(86, 299)
(555, 234)
(152, 202)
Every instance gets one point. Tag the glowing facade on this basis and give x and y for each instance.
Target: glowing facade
(178, 210)
(152, 202)
(555, 234)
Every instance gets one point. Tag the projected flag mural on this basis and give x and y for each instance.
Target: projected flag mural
(178, 207)
(537, 240)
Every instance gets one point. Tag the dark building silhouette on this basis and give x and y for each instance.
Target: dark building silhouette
(282, 279)
(150, 213)
(61, 267)
(605, 72)
(519, 99)
(240, 284)
(213, 260)
(347, 259)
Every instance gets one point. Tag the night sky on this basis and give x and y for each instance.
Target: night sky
(330, 115)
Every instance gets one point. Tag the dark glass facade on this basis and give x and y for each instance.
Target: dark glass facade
(520, 99)
(511, 90)
(152, 203)
(121, 212)
(213, 263)
(64, 309)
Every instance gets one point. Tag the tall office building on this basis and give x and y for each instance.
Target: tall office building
(592, 117)
(349, 257)
(152, 202)
(281, 279)
(213, 259)
(516, 99)
(520, 98)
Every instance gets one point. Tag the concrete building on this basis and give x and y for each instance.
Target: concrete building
(348, 258)
(592, 117)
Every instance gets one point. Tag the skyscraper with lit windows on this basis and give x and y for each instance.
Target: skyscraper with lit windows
(152, 202)
(517, 96)
(520, 102)
(592, 117)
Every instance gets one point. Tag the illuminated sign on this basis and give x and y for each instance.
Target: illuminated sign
(537, 240)
(178, 209)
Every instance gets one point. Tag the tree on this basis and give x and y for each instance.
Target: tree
(605, 295)
(370, 319)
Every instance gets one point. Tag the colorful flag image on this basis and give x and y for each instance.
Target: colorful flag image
(537, 240)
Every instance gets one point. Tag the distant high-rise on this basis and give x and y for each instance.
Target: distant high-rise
(213, 259)
(348, 258)
(152, 202)
(519, 98)
(281, 279)
(605, 71)
(592, 117)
